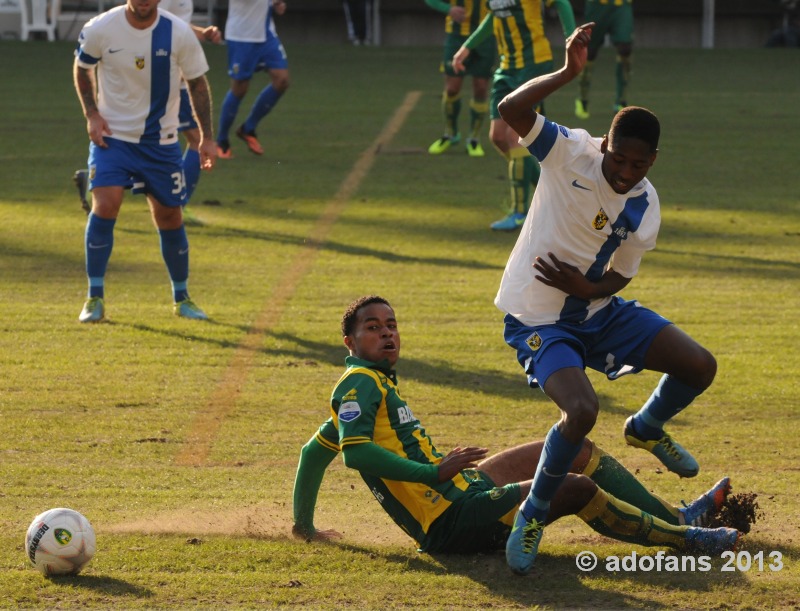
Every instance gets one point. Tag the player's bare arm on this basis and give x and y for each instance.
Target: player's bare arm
(200, 95)
(279, 6)
(569, 279)
(85, 87)
(517, 108)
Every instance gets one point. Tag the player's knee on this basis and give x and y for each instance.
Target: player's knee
(579, 418)
(704, 367)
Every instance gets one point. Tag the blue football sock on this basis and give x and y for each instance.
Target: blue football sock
(175, 250)
(554, 463)
(668, 399)
(264, 103)
(191, 171)
(227, 115)
(99, 242)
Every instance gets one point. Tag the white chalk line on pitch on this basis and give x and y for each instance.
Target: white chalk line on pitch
(209, 419)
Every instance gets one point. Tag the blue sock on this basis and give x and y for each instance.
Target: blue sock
(265, 101)
(227, 115)
(667, 400)
(99, 242)
(554, 464)
(175, 250)
(191, 171)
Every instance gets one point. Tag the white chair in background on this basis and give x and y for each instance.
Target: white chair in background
(40, 16)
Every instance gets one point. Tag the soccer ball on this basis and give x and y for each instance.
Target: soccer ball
(60, 542)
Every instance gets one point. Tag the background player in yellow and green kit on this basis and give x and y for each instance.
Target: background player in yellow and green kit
(463, 501)
(525, 53)
(463, 17)
(615, 18)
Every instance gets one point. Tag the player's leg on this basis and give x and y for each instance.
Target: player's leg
(108, 171)
(274, 59)
(166, 194)
(600, 15)
(621, 31)
(482, 61)
(451, 95)
(689, 369)
(242, 59)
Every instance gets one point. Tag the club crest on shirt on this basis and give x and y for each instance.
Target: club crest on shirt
(534, 341)
(349, 411)
(496, 493)
(140, 62)
(600, 220)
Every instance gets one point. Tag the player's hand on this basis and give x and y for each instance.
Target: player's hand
(208, 154)
(458, 13)
(212, 34)
(578, 48)
(97, 127)
(563, 276)
(279, 6)
(458, 459)
(314, 534)
(459, 58)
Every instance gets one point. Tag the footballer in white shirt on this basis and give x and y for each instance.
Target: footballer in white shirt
(594, 214)
(128, 69)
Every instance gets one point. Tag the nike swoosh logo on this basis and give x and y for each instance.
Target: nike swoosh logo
(114, 50)
(95, 246)
(183, 252)
(575, 184)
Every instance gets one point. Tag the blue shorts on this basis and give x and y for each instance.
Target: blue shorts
(185, 114)
(247, 58)
(159, 167)
(614, 342)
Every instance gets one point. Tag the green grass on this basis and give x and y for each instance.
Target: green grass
(179, 440)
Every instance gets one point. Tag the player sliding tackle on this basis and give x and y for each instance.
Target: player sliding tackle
(464, 501)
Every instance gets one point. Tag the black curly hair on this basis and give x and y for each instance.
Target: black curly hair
(351, 313)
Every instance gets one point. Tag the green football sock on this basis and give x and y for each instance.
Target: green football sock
(585, 82)
(451, 108)
(623, 77)
(477, 113)
(620, 520)
(615, 479)
(521, 170)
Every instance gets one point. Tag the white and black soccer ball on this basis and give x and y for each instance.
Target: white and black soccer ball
(60, 541)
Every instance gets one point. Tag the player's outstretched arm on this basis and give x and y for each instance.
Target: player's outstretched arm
(517, 108)
(314, 460)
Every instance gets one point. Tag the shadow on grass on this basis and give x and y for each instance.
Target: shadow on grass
(108, 586)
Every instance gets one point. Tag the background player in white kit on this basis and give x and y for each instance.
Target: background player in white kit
(253, 45)
(594, 215)
(184, 9)
(128, 70)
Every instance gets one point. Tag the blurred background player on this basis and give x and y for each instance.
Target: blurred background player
(253, 45)
(127, 72)
(524, 54)
(615, 18)
(182, 9)
(463, 18)
(357, 16)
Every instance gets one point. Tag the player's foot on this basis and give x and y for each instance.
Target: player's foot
(711, 541)
(443, 143)
(620, 105)
(523, 544)
(509, 223)
(474, 148)
(581, 109)
(81, 180)
(674, 456)
(94, 310)
(703, 508)
(250, 140)
(189, 309)
(224, 150)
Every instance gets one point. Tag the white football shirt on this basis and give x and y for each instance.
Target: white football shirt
(576, 215)
(183, 9)
(139, 72)
(247, 20)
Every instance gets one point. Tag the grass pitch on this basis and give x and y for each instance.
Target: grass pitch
(179, 440)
